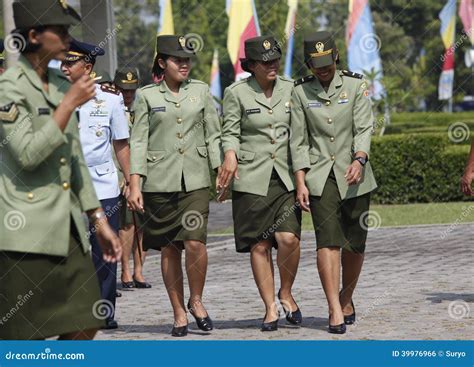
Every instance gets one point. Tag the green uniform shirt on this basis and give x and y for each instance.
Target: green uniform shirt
(258, 130)
(44, 180)
(328, 128)
(175, 137)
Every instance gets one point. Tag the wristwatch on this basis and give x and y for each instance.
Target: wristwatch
(97, 216)
(361, 160)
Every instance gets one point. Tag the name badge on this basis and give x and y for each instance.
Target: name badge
(314, 104)
(159, 109)
(341, 101)
(252, 111)
(44, 111)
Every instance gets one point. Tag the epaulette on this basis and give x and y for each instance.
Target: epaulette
(195, 81)
(239, 82)
(352, 74)
(150, 86)
(285, 79)
(106, 89)
(304, 79)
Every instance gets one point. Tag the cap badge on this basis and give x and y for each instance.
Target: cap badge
(320, 47)
(93, 74)
(182, 42)
(267, 45)
(129, 76)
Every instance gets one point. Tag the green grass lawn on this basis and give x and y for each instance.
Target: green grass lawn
(406, 215)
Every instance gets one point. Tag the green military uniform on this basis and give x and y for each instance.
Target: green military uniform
(44, 188)
(328, 127)
(174, 138)
(258, 130)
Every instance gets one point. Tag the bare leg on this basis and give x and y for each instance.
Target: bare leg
(263, 273)
(351, 269)
(79, 335)
(288, 258)
(173, 279)
(329, 267)
(126, 237)
(137, 262)
(196, 269)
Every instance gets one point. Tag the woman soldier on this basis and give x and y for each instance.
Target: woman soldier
(255, 142)
(332, 123)
(47, 273)
(176, 132)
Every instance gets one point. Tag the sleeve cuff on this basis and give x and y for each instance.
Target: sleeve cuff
(54, 134)
(301, 164)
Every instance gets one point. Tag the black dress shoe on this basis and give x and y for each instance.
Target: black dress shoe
(179, 331)
(127, 285)
(270, 326)
(295, 317)
(110, 324)
(141, 284)
(337, 329)
(203, 323)
(350, 319)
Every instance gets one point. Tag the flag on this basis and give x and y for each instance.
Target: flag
(289, 33)
(243, 24)
(364, 45)
(447, 30)
(166, 24)
(215, 84)
(466, 14)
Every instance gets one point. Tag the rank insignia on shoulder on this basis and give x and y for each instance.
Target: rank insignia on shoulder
(352, 74)
(9, 112)
(106, 89)
(304, 79)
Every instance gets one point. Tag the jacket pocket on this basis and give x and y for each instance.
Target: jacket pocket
(313, 158)
(246, 156)
(105, 168)
(202, 151)
(154, 156)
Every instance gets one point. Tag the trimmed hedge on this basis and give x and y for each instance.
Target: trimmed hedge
(417, 168)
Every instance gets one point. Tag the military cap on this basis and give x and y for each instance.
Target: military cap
(320, 49)
(126, 78)
(263, 48)
(102, 76)
(34, 13)
(177, 46)
(81, 50)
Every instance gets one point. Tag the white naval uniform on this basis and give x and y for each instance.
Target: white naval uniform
(102, 120)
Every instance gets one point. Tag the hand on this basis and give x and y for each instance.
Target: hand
(466, 183)
(126, 191)
(302, 196)
(354, 173)
(80, 92)
(108, 241)
(227, 172)
(135, 200)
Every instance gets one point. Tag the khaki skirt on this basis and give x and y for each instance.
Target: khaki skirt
(43, 296)
(174, 217)
(258, 218)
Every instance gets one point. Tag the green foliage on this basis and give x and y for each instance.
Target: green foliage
(417, 168)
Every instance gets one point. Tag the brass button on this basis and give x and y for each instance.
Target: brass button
(63, 161)
(177, 105)
(66, 186)
(273, 156)
(179, 120)
(270, 111)
(332, 138)
(333, 158)
(270, 126)
(179, 135)
(181, 151)
(153, 158)
(272, 141)
(31, 195)
(329, 121)
(98, 133)
(328, 103)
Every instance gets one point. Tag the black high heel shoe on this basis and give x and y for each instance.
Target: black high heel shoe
(350, 319)
(179, 331)
(337, 329)
(270, 326)
(203, 323)
(295, 317)
(142, 285)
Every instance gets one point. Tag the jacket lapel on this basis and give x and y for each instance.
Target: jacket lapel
(277, 92)
(259, 96)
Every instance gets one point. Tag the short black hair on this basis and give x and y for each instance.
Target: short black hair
(20, 39)
(157, 70)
